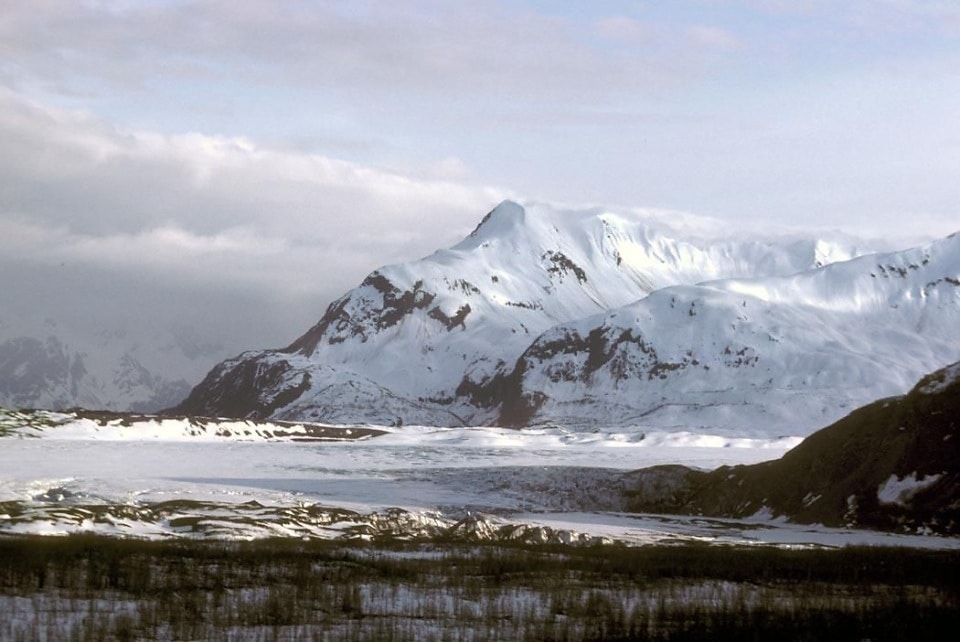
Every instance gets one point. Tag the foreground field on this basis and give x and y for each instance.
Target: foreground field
(95, 588)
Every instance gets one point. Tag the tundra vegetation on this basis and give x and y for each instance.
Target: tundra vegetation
(87, 587)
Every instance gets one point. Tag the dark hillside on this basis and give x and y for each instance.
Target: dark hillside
(891, 465)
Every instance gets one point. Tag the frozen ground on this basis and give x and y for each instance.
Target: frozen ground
(177, 478)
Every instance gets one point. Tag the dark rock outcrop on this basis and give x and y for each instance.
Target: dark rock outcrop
(250, 386)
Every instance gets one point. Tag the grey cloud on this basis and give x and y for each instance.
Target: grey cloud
(79, 174)
(186, 230)
(443, 50)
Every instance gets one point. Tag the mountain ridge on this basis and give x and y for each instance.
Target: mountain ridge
(46, 368)
(848, 332)
(439, 339)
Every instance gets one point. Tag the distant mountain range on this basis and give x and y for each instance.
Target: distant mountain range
(58, 365)
(589, 318)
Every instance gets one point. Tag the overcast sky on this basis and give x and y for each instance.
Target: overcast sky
(235, 165)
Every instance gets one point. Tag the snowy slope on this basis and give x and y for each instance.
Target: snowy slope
(419, 341)
(772, 355)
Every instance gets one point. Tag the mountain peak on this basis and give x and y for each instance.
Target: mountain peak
(505, 215)
(554, 307)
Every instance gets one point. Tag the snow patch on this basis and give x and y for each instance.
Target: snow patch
(942, 379)
(900, 491)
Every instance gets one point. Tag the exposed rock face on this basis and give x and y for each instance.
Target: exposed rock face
(255, 387)
(891, 465)
(592, 317)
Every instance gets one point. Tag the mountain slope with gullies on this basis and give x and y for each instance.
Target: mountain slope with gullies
(430, 341)
(761, 356)
(891, 465)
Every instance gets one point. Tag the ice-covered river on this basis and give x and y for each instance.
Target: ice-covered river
(122, 480)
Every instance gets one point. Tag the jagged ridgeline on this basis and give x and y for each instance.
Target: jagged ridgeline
(595, 317)
(51, 370)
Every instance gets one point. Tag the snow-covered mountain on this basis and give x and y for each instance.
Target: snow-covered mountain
(437, 341)
(62, 365)
(774, 355)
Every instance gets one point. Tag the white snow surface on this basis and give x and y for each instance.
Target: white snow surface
(759, 356)
(479, 305)
(174, 478)
(524, 270)
(942, 379)
(897, 490)
(611, 318)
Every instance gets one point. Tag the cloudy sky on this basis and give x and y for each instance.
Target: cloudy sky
(231, 166)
